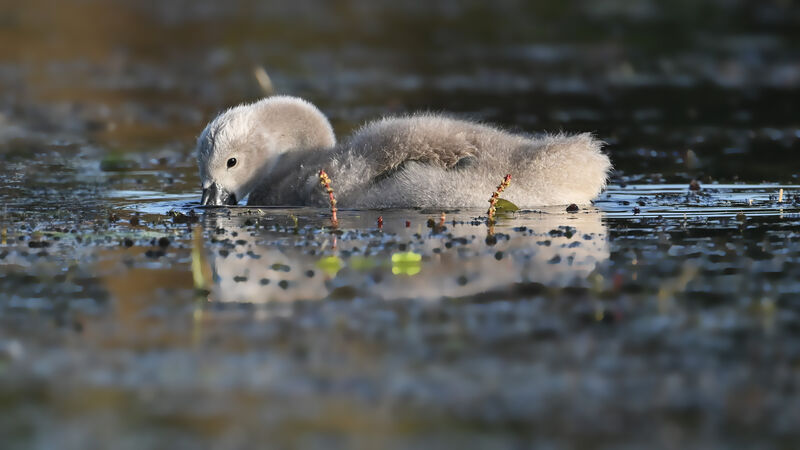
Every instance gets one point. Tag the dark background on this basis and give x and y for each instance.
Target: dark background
(653, 79)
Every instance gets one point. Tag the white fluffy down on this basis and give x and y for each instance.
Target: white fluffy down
(424, 160)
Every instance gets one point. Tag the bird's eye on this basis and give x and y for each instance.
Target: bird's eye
(231, 162)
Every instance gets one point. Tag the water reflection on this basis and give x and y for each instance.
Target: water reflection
(265, 262)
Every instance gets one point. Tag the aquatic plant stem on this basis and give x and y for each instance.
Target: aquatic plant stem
(264, 81)
(201, 271)
(493, 201)
(326, 183)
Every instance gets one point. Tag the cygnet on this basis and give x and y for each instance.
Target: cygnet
(271, 152)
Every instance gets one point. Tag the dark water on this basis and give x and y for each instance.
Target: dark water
(658, 317)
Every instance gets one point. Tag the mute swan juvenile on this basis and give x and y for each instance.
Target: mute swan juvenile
(273, 149)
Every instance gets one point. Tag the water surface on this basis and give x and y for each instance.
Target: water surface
(658, 316)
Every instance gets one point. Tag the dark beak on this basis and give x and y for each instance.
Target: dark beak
(215, 195)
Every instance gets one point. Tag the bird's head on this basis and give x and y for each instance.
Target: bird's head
(238, 148)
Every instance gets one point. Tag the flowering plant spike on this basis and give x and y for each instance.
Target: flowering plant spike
(326, 183)
(493, 201)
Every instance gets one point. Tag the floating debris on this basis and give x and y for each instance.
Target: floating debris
(181, 218)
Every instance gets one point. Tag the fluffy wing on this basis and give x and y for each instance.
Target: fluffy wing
(430, 139)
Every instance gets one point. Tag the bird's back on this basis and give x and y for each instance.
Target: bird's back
(436, 161)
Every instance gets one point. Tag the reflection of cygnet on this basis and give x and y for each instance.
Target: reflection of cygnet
(550, 249)
(256, 274)
(553, 251)
(272, 150)
(565, 250)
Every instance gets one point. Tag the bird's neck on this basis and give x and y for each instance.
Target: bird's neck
(288, 177)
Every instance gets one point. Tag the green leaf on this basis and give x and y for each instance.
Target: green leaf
(406, 263)
(406, 257)
(505, 206)
(331, 265)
